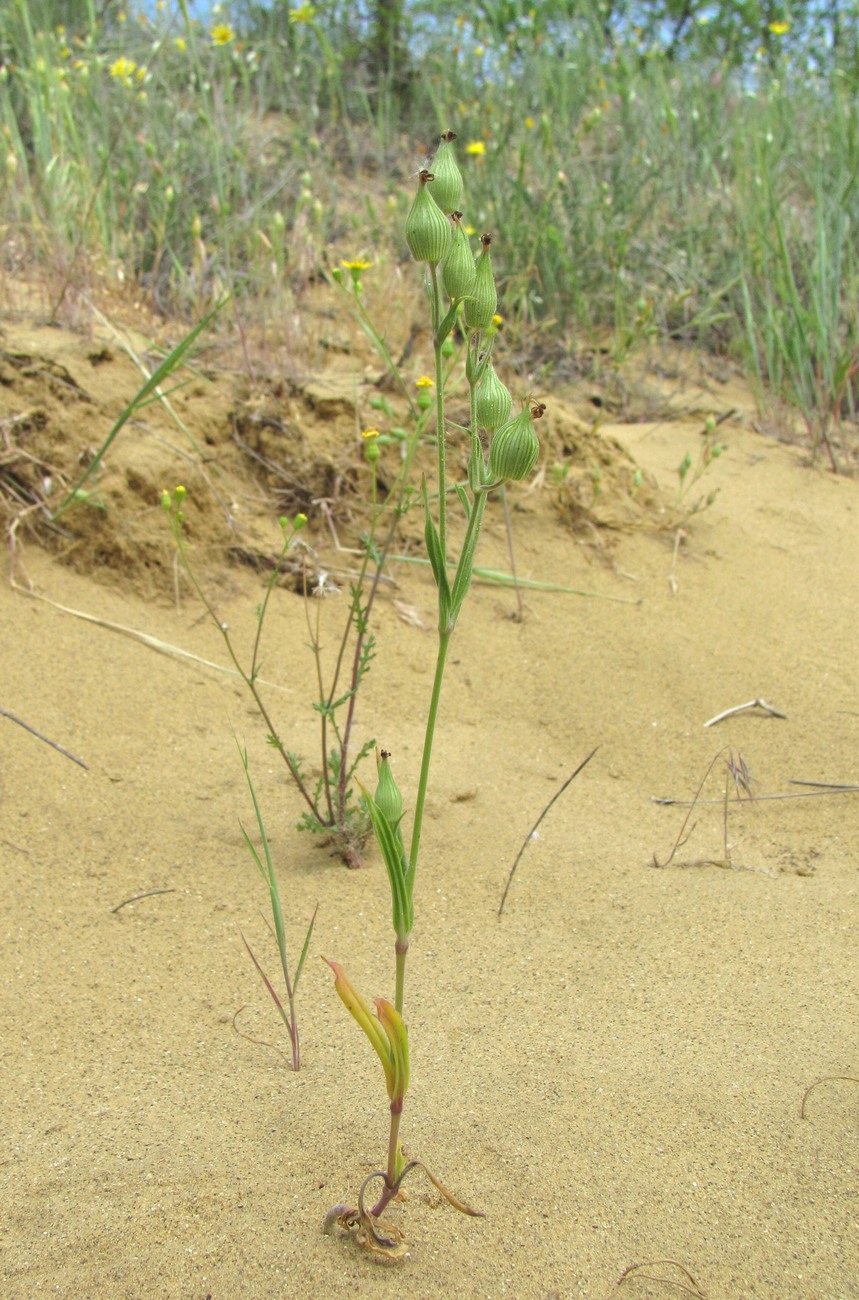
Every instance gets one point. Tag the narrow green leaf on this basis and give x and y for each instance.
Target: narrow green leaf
(168, 365)
(303, 956)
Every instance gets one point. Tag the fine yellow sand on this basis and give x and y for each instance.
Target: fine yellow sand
(613, 1071)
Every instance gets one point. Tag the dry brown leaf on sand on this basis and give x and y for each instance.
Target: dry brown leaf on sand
(409, 614)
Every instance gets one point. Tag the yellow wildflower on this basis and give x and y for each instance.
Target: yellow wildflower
(356, 264)
(304, 14)
(222, 34)
(529, 123)
(181, 44)
(424, 382)
(122, 68)
(367, 434)
(779, 28)
(476, 147)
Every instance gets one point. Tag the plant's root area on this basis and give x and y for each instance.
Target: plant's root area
(384, 1241)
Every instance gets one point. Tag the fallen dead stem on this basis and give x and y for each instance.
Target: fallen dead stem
(529, 836)
(633, 1273)
(4, 713)
(736, 773)
(249, 1038)
(827, 1078)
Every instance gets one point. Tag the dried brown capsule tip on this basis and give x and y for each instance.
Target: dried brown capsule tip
(486, 240)
(538, 411)
(447, 137)
(425, 176)
(456, 216)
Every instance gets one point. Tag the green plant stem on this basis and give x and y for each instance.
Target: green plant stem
(414, 850)
(316, 651)
(401, 949)
(392, 1170)
(361, 621)
(393, 1147)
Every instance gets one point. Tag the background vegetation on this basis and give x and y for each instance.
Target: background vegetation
(664, 168)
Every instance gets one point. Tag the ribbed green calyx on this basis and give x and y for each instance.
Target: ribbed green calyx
(481, 303)
(494, 402)
(458, 272)
(388, 798)
(446, 183)
(514, 449)
(428, 231)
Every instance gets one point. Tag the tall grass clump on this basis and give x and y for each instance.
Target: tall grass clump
(142, 152)
(660, 176)
(799, 261)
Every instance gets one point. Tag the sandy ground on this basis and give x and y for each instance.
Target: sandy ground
(612, 1072)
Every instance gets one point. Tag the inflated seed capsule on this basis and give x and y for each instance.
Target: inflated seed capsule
(458, 272)
(446, 184)
(388, 798)
(514, 449)
(481, 303)
(494, 402)
(428, 231)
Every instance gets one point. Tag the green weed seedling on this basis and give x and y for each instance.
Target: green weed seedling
(329, 806)
(462, 298)
(689, 472)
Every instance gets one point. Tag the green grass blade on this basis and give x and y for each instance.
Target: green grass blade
(299, 968)
(168, 365)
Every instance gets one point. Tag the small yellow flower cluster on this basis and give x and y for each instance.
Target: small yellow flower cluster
(356, 267)
(222, 34)
(123, 69)
(423, 385)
